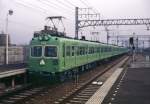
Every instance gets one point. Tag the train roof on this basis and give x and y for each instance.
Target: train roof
(73, 39)
(53, 33)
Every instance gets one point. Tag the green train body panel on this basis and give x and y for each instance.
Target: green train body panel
(71, 53)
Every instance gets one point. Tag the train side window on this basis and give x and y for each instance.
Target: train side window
(98, 49)
(83, 50)
(68, 51)
(105, 49)
(101, 49)
(94, 49)
(90, 50)
(86, 50)
(73, 49)
(110, 49)
(50, 51)
(78, 51)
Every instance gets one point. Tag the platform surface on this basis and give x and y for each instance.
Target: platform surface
(133, 87)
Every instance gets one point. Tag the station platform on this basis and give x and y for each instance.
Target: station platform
(130, 86)
(8, 81)
(12, 67)
(12, 70)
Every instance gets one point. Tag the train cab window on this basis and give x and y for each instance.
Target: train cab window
(36, 51)
(50, 51)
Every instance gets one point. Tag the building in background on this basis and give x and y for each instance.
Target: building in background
(3, 40)
(16, 54)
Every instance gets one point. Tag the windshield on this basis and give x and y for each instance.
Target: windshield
(36, 51)
(50, 51)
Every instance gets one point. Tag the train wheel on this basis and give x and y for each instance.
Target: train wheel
(62, 76)
(69, 75)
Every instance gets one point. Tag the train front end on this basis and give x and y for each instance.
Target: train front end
(44, 58)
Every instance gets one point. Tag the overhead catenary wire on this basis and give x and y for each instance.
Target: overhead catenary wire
(86, 4)
(59, 1)
(33, 7)
(70, 3)
(55, 5)
(38, 7)
(96, 10)
(46, 10)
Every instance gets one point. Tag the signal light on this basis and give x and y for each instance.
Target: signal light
(131, 40)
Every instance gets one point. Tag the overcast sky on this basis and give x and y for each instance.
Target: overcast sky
(29, 16)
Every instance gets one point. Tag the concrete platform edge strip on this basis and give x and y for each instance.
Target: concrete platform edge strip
(101, 93)
(12, 72)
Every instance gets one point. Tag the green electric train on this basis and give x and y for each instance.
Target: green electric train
(53, 54)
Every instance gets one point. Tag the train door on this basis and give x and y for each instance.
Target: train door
(68, 56)
(73, 56)
(64, 55)
(86, 52)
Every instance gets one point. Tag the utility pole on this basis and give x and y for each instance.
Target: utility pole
(117, 40)
(137, 44)
(10, 12)
(149, 42)
(76, 22)
(107, 32)
(143, 45)
(87, 15)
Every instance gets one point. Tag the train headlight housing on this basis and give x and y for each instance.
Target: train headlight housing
(45, 38)
(40, 38)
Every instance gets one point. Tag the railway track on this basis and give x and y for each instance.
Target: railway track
(77, 95)
(85, 91)
(20, 95)
(19, 92)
